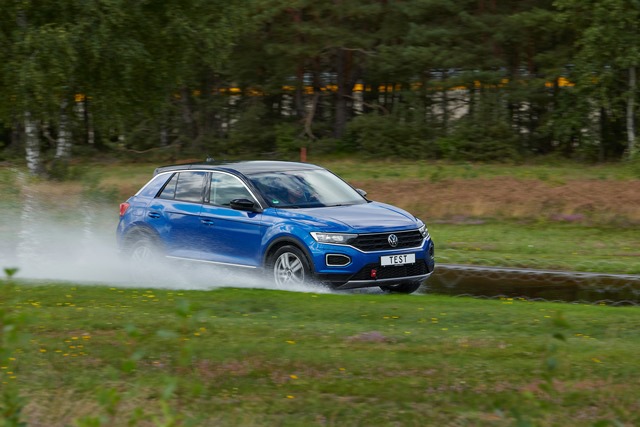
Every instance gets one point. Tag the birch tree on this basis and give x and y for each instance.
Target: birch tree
(39, 62)
(122, 60)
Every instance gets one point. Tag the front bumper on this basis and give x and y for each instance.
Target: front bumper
(366, 271)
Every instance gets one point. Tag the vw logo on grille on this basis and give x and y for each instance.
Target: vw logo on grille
(393, 240)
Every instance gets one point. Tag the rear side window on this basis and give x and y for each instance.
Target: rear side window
(186, 186)
(153, 186)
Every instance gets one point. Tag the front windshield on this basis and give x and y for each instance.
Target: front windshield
(305, 189)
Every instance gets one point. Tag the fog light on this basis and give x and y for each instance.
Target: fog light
(337, 260)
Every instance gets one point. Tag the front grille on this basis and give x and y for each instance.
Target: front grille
(392, 272)
(380, 241)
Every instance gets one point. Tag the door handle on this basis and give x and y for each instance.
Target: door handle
(154, 215)
(207, 221)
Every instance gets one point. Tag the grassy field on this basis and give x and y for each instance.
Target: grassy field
(90, 356)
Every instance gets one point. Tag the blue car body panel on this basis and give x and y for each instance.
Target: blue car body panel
(232, 237)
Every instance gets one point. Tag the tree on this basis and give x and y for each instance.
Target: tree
(608, 44)
(313, 51)
(122, 62)
(36, 74)
(256, 75)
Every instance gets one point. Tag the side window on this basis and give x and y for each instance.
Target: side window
(185, 186)
(225, 188)
(169, 191)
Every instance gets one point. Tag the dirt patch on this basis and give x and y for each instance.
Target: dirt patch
(571, 201)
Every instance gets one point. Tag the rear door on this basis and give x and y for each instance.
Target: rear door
(175, 214)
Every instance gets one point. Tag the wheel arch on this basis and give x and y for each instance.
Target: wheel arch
(137, 231)
(285, 241)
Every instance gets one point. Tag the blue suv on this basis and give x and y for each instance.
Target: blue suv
(292, 222)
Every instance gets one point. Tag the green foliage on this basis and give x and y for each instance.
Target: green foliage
(634, 166)
(288, 141)
(12, 337)
(184, 76)
(251, 134)
(10, 272)
(11, 408)
(116, 62)
(478, 140)
(384, 136)
(607, 50)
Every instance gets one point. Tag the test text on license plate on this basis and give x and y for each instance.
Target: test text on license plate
(397, 259)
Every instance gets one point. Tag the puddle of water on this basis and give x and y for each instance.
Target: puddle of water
(534, 284)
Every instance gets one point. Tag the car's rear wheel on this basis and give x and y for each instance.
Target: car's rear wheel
(143, 251)
(402, 288)
(142, 247)
(289, 267)
(144, 256)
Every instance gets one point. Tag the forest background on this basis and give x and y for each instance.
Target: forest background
(471, 80)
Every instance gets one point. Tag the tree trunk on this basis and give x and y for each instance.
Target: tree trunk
(187, 116)
(308, 119)
(340, 118)
(88, 120)
(32, 145)
(15, 144)
(631, 129)
(299, 98)
(600, 129)
(445, 103)
(63, 148)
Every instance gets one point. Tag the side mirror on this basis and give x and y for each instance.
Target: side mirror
(361, 192)
(243, 205)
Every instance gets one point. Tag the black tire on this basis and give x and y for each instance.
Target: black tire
(143, 248)
(144, 256)
(402, 288)
(288, 267)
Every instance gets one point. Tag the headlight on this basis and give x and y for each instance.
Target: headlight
(335, 238)
(425, 233)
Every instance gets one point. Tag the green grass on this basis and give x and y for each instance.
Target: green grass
(246, 357)
(356, 169)
(541, 245)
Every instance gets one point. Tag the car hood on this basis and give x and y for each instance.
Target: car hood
(371, 217)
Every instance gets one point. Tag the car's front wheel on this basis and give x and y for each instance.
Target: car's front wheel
(289, 267)
(402, 288)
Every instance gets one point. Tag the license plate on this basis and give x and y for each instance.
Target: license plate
(397, 259)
